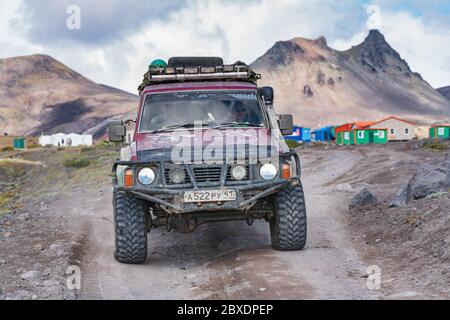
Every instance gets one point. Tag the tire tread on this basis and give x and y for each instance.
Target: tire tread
(289, 227)
(130, 229)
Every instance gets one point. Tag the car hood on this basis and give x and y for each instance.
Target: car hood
(164, 142)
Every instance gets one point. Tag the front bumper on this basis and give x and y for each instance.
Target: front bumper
(170, 198)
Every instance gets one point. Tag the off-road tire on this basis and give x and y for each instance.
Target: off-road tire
(288, 227)
(130, 228)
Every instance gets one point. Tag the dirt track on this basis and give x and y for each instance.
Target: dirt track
(227, 261)
(218, 261)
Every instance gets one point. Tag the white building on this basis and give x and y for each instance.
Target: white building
(398, 129)
(66, 140)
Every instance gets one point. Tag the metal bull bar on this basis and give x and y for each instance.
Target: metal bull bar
(148, 193)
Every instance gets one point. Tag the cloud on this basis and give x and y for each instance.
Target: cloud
(118, 38)
(102, 20)
(13, 33)
(236, 30)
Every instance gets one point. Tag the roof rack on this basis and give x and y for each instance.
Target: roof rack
(237, 71)
(201, 73)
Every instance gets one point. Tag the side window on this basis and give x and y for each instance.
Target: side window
(360, 134)
(347, 135)
(381, 134)
(441, 131)
(392, 131)
(406, 130)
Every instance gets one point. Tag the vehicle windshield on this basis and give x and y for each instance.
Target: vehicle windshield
(169, 111)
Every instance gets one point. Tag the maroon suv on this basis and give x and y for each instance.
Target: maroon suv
(207, 147)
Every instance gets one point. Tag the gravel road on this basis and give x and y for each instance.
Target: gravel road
(231, 260)
(58, 217)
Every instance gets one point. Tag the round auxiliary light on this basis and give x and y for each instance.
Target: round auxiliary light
(146, 176)
(268, 171)
(238, 173)
(177, 175)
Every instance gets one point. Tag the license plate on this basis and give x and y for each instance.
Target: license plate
(209, 196)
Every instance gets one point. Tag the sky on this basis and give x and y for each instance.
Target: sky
(113, 41)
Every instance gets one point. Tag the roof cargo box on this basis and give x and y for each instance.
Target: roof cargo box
(179, 62)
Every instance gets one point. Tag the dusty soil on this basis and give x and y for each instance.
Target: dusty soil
(410, 244)
(62, 216)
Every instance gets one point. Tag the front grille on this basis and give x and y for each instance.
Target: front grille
(207, 174)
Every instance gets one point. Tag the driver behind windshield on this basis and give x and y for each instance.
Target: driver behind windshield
(238, 113)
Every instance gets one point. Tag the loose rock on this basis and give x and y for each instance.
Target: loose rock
(402, 197)
(363, 198)
(8, 234)
(344, 187)
(431, 180)
(28, 275)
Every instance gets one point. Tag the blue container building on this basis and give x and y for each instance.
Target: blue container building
(325, 134)
(300, 135)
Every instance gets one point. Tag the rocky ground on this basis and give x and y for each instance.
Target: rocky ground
(38, 243)
(370, 205)
(407, 230)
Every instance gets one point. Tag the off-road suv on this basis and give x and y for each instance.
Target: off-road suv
(207, 147)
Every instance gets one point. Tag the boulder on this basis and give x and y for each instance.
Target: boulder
(402, 197)
(363, 198)
(431, 180)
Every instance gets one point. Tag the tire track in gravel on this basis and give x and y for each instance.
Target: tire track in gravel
(231, 260)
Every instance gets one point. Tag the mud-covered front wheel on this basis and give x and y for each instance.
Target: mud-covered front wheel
(130, 228)
(288, 227)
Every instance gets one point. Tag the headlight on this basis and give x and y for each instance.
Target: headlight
(146, 176)
(177, 175)
(268, 171)
(238, 173)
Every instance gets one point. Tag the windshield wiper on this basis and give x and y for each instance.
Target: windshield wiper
(179, 126)
(235, 123)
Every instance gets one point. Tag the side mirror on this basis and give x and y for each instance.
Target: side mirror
(286, 124)
(116, 131)
(268, 94)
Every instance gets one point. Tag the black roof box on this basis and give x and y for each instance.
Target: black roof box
(186, 62)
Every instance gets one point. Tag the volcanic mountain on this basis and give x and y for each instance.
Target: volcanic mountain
(38, 95)
(445, 91)
(322, 86)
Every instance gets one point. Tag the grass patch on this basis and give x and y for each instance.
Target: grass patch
(9, 171)
(292, 144)
(87, 149)
(77, 163)
(436, 145)
(7, 149)
(12, 173)
(6, 199)
(104, 143)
